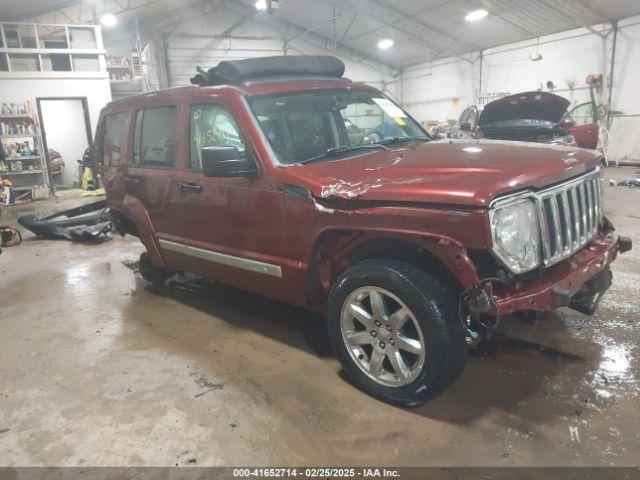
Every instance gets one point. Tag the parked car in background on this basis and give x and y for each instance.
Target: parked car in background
(410, 247)
(582, 122)
(56, 164)
(539, 117)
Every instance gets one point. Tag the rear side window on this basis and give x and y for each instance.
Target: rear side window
(113, 140)
(211, 125)
(154, 137)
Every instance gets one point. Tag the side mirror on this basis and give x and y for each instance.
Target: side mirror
(568, 122)
(465, 127)
(227, 162)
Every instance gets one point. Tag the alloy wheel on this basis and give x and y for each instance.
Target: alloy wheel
(382, 336)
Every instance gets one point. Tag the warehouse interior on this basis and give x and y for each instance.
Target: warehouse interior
(102, 368)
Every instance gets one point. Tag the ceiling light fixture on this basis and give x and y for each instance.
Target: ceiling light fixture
(108, 20)
(385, 43)
(261, 4)
(476, 15)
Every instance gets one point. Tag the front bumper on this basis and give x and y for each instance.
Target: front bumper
(568, 280)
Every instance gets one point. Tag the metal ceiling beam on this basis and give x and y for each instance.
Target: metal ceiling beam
(419, 31)
(166, 21)
(346, 32)
(315, 27)
(395, 22)
(240, 22)
(289, 29)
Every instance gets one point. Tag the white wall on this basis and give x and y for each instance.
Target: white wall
(567, 59)
(438, 91)
(429, 91)
(625, 131)
(96, 90)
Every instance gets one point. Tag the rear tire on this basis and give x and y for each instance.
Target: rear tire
(414, 328)
(151, 273)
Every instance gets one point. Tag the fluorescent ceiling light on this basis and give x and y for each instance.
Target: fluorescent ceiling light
(385, 43)
(261, 4)
(476, 15)
(108, 20)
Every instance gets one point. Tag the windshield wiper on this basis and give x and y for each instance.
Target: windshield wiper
(334, 150)
(391, 140)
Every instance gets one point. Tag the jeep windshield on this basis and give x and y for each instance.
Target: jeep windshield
(520, 123)
(310, 126)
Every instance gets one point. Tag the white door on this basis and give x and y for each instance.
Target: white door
(65, 129)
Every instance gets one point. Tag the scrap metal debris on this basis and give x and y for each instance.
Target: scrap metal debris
(81, 224)
(633, 182)
(9, 237)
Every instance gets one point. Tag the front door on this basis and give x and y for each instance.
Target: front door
(585, 130)
(231, 228)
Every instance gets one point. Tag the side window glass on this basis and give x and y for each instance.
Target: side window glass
(113, 140)
(136, 137)
(472, 117)
(211, 125)
(464, 116)
(154, 137)
(582, 114)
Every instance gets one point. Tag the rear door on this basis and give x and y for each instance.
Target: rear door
(152, 167)
(111, 148)
(585, 130)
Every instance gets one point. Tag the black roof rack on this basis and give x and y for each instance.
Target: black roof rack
(233, 72)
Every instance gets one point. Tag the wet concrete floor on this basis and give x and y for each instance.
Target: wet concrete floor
(98, 369)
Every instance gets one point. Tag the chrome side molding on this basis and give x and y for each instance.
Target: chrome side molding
(223, 258)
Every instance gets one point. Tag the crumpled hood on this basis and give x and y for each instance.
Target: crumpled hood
(525, 106)
(458, 172)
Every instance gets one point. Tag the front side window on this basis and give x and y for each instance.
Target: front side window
(211, 125)
(303, 126)
(113, 140)
(154, 137)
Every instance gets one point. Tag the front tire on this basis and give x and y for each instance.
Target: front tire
(395, 331)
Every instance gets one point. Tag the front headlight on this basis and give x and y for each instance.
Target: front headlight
(516, 235)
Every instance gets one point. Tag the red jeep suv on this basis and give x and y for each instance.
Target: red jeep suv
(411, 247)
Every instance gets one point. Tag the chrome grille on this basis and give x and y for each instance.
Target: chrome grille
(569, 217)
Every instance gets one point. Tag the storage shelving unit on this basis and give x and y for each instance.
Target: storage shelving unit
(31, 173)
(119, 69)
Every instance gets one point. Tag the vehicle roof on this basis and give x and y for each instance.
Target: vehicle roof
(265, 86)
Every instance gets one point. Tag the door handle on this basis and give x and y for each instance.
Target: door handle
(131, 180)
(189, 187)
